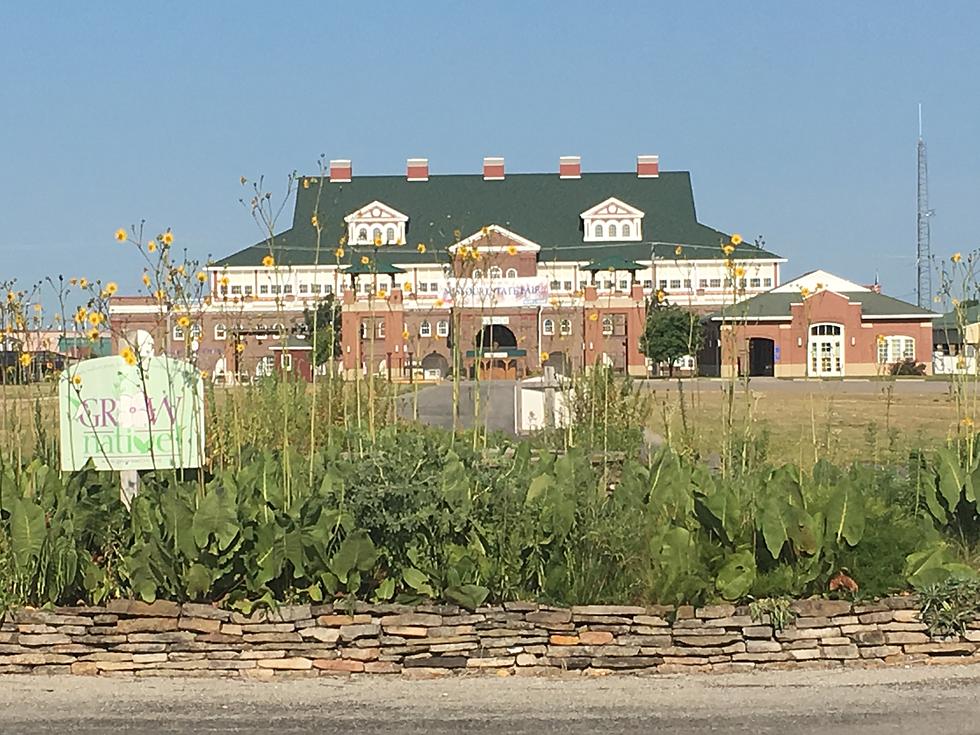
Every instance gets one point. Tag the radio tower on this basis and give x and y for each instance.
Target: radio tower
(923, 255)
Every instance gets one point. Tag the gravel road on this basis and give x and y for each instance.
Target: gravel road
(940, 699)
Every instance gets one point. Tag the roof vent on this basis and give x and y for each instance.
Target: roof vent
(340, 170)
(648, 167)
(493, 169)
(418, 169)
(570, 167)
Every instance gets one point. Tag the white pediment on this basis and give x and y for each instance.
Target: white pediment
(376, 212)
(611, 208)
(820, 280)
(481, 239)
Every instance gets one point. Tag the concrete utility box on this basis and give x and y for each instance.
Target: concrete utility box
(541, 403)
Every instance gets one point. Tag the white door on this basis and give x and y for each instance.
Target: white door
(826, 351)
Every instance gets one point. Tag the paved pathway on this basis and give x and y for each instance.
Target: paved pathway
(936, 699)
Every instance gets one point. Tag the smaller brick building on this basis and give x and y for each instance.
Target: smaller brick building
(820, 326)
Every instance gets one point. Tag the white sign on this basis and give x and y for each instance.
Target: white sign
(496, 292)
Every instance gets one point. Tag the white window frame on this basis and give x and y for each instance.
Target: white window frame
(512, 272)
(548, 326)
(178, 333)
(565, 327)
(442, 328)
(220, 332)
(286, 361)
(895, 348)
(608, 326)
(425, 328)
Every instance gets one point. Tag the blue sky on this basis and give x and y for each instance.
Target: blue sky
(797, 120)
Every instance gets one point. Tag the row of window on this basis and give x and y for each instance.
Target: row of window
(612, 231)
(564, 327)
(425, 328)
(495, 271)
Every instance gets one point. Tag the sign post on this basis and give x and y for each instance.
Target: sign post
(145, 416)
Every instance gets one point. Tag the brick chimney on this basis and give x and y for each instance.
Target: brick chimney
(418, 169)
(648, 167)
(570, 167)
(340, 170)
(493, 169)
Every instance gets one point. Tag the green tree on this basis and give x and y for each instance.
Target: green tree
(670, 332)
(327, 327)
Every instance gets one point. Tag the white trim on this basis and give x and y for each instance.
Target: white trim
(629, 210)
(364, 214)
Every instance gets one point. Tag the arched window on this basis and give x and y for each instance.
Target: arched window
(548, 326)
(379, 328)
(196, 330)
(220, 331)
(442, 328)
(278, 329)
(612, 229)
(495, 272)
(626, 229)
(607, 325)
(362, 234)
(391, 236)
(178, 333)
(512, 272)
(565, 327)
(377, 235)
(364, 330)
(825, 330)
(477, 273)
(425, 329)
(598, 230)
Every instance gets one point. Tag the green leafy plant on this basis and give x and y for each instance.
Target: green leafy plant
(776, 611)
(948, 607)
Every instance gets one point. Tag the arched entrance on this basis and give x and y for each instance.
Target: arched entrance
(496, 353)
(762, 357)
(435, 365)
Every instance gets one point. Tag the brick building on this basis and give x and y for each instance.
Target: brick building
(507, 271)
(818, 325)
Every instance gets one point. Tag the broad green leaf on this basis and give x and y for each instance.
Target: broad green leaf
(27, 531)
(217, 516)
(414, 578)
(469, 596)
(736, 575)
(356, 552)
(953, 477)
(198, 581)
(845, 513)
(537, 487)
(775, 524)
(386, 590)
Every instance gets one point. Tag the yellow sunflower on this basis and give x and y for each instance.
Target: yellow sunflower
(268, 261)
(121, 235)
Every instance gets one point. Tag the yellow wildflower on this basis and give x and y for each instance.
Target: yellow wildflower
(464, 252)
(736, 239)
(37, 308)
(544, 357)
(179, 269)
(25, 359)
(484, 230)
(127, 354)
(407, 286)
(146, 279)
(121, 235)
(399, 242)
(338, 253)
(880, 339)
(240, 347)
(594, 316)
(382, 294)
(512, 250)
(151, 246)
(83, 283)
(224, 280)
(739, 272)
(405, 334)
(204, 374)
(268, 261)
(377, 240)
(678, 250)
(160, 295)
(11, 297)
(804, 292)
(81, 314)
(727, 249)
(966, 422)
(93, 334)
(95, 318)
(306, 183)
(439, 303)
(183, 321)
(661, 295)
(365, 260)
(420, 247)
(110, 289)
(76, 380)
(167, 238)
(73, 281)
(202, 276)
(956, 258)
(314, 221)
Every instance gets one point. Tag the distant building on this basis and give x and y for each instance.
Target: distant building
(514, 270)
(817, 325)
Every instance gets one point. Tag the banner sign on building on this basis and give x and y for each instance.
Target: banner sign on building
(471, 293)
(131, 417)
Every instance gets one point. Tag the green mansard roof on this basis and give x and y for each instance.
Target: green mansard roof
(543, 208)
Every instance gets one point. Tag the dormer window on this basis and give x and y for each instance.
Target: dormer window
(376, 223)
(613, 220)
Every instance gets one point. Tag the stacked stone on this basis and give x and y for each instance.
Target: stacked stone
(167, 639)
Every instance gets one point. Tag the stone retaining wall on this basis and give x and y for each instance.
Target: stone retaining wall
(167, 639)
